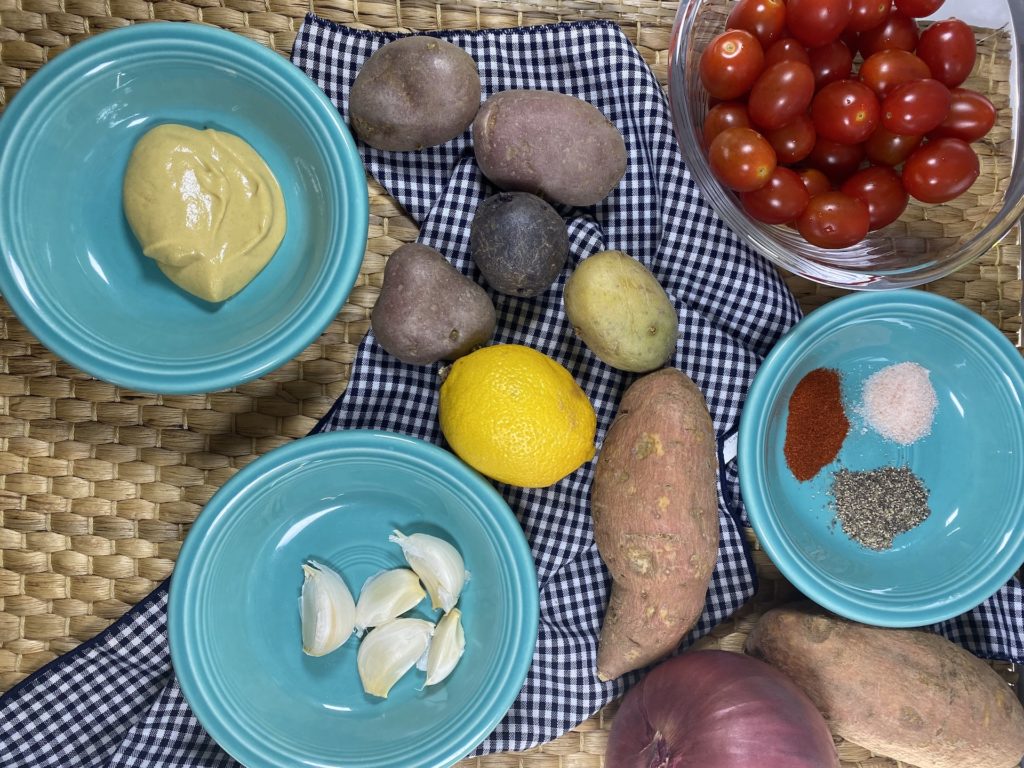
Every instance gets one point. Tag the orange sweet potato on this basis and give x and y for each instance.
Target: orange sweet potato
(907, 694)
(655, 510)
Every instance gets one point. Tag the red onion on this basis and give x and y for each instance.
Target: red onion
(715, 709)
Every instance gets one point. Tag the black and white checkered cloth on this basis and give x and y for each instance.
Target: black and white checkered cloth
(114, 700)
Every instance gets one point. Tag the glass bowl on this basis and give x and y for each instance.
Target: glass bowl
(927, 241)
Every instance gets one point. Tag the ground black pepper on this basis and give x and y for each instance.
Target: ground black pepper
(875, 506)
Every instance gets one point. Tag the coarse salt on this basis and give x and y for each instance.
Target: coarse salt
(899, 402)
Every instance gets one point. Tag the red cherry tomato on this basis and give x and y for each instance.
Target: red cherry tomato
(940, 170)
(867, 14)
(883, 71)
(913, 109)
(779, 201)
(949, 50)
(898, 31)
(837, 161)
(881, 190)
(764, 19)
(793, 141)
(742, 159)
(725, 114)
(830, 63)
(730, 64)
(887, 148)
(834, 220)
(781, 93)
(846, 111)
(786, 49)
(918, 9)
(814, 181)
(817, 22)
(971, 116)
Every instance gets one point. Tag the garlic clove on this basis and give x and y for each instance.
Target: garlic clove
(389, 651)
(387, 596)
(446, 647)
(327, 610)
(438, 564)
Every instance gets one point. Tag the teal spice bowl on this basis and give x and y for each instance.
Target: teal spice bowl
(971, 462)
(235, 632)
(70, 266)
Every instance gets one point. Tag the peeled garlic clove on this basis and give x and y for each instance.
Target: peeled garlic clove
(327, 609)
(389, 651)
(438, 564)
(387, 596)
(446, 647)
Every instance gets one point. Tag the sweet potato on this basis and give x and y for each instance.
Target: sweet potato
(907, 694)
(655, 511)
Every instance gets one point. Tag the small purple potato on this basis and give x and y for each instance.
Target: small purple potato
(428, 310)
(519, 243)
(548, 143)
(414, 92)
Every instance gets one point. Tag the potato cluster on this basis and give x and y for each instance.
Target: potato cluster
(540, 148)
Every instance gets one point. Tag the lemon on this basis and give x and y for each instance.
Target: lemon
(514, 414)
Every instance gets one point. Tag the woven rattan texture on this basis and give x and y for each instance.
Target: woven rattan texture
(98, 485)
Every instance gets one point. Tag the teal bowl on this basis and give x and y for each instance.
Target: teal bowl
(335, 497)
(973, 541)
(70, 266)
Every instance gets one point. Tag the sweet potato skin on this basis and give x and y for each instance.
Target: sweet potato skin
(654, 502)
(907, 694)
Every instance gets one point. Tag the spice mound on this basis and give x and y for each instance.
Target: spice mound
(898, 402)
(874, 507)
(817, 424)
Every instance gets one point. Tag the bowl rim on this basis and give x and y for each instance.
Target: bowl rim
(74, 342)
(325, 445)
(756, 235)
(751, 459)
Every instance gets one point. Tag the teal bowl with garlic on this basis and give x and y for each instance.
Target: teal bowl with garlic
(72, 269)
(235, 618)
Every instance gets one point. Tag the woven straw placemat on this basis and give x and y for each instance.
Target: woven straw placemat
(98, 485)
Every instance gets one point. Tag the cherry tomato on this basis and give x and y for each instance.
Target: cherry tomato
(786, 49)
(883, 71)
(918, 8)
(817, 22)
(949, 50)
(742, 159)
(781, 93)
(793, 141)
(837, 161)
(971, 116)
(898, 31)
(730, 64)
(779, 201)
(867, 14)
(846, 111)
(830, 63)
(913, 109)
(887, 148)
(725, 114)
(881, 190)
(764, 19)
(834, 220)
(814, 181)
(940, 170)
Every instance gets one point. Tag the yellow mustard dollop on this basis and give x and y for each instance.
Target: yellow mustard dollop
(205, 206)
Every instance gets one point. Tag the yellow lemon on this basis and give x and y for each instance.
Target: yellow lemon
(517, 416)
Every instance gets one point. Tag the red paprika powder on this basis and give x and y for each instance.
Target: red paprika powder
(817, 423)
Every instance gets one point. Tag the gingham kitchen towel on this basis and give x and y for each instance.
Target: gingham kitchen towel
(114, 701)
